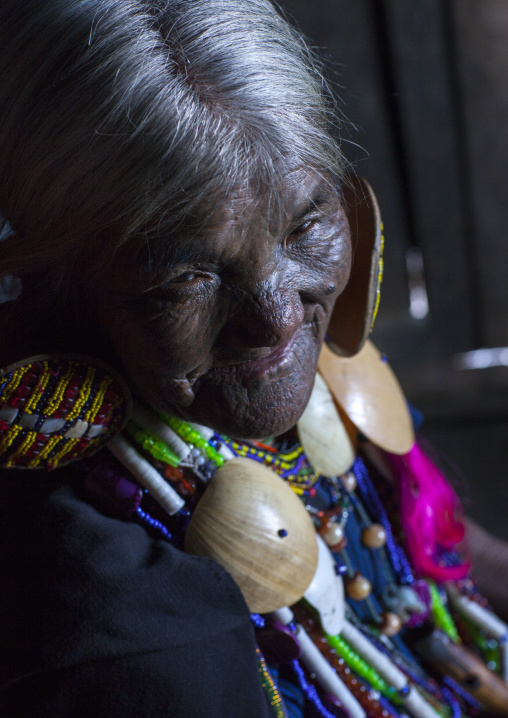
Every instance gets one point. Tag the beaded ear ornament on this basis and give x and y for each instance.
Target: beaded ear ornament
(56, 409)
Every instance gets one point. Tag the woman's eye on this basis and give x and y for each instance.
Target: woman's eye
(186, 278)
(192, 278)
(302, 228)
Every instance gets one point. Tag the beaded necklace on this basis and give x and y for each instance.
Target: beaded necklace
(54, 410)
(292, 465)
(331, 503)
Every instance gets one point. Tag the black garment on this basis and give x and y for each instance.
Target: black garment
(98, 619)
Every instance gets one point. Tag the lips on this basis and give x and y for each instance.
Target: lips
(255, 363)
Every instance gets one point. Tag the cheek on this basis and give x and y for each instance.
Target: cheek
(337, 263)
(161, 341)
(325, 271)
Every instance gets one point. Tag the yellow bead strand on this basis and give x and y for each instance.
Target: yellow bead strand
(55, 399)
(9, 437)
(38, 389)
(98, 400)
(22, 448)
(12, 385)
(83, 395)
(68, 445)
(45, 451)
(270, 687)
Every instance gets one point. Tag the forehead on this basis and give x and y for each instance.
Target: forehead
(286, 198)
(251, 209)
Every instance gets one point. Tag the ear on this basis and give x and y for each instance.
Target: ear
(355, 309)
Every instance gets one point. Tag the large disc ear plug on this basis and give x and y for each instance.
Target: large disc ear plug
(57, 409)
(368, 391)
(355, 309)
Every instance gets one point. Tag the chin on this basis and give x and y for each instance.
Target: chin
(237, 401)
(264, 408)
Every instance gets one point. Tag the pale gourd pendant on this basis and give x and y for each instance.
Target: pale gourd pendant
(322, 434)
(253, 524)
(368, 391)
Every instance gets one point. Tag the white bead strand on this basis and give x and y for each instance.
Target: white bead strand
(147, 476)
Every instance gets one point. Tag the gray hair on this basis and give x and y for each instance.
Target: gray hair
(123, 118)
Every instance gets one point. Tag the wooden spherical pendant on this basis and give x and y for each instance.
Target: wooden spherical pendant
(374, 536)
(358, 587)
(332, 533)
(253, 524)
(349, 482)
(391, 624)
(368, 391)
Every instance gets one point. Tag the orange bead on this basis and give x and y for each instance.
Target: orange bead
(391, 624)
(374, 536)
(358, 587)
(170, 472)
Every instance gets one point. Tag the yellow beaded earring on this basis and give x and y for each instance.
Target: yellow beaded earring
(56, 409)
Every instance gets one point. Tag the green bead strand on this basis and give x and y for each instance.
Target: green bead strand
(489, 647)
(362, 668)
(157, 449)
(186, 432)
(441, 615)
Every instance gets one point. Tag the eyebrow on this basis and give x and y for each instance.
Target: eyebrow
(323, 195)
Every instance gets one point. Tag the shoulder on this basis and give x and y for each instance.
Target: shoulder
(99, 594)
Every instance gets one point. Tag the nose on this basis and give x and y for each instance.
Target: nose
(263, 317)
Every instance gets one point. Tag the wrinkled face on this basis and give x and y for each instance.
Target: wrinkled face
(229, 331)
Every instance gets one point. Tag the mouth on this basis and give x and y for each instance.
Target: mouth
(257, 363)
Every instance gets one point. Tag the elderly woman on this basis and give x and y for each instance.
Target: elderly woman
(174, 211)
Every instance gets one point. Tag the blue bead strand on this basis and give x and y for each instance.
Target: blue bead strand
(446, 693)
(388, 706)
(453, 702)
(153, 523)
(456, 688)
(310, 690)
(401, 565)
(257, 620)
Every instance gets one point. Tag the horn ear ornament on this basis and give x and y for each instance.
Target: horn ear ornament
(355, 309)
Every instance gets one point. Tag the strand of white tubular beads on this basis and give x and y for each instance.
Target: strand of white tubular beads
(317, 664)
(413, 701)
(146, 475)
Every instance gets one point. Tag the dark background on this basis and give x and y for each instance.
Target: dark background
(424, 87)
